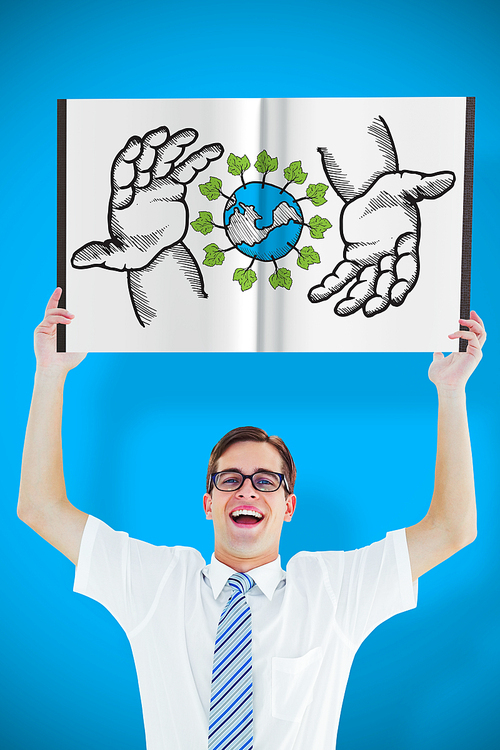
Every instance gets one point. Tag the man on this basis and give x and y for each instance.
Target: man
(240, 654)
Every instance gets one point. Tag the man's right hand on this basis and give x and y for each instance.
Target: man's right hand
(43, 503)
(45, 339)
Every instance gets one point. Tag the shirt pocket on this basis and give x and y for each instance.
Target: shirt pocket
(293, 684)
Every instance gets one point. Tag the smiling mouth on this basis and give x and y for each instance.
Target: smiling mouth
(245, 518)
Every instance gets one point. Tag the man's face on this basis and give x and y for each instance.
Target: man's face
(256, 542)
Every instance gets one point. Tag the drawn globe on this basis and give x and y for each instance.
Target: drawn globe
(263, 221)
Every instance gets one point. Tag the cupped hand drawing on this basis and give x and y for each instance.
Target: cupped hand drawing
(148, 213)
(380, 227)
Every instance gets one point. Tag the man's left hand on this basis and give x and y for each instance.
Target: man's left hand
(452, 372)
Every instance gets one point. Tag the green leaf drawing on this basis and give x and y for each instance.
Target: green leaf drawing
(246, 277)
(282, 277)
(294, 173)
(204, 223)
(214, 256)
(318, 226)
(265, 163)
(211, 189)
(237, 165)
(317, 193)
(307, 257)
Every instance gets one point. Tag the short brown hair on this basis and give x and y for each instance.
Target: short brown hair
(255, 434)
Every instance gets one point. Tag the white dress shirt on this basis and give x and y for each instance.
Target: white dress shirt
(307, 624)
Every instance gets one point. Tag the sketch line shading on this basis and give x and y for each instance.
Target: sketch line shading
(148, 216)
(380, 226)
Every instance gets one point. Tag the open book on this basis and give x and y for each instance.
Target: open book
(250, 225)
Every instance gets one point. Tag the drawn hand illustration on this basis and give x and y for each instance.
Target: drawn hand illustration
(380, 227)
(148, 216)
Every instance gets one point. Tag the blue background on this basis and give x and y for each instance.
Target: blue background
(361, 427)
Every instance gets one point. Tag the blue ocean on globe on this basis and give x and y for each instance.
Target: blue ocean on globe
(263, 221)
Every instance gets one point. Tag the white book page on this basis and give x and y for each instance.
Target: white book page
(99, 298)
(429, 135)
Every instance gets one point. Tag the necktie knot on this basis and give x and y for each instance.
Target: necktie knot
(242, 582)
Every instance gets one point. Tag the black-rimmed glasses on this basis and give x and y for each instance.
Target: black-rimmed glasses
(262, 481)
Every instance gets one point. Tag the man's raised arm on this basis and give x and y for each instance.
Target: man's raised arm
(43, 504)
(450, 523)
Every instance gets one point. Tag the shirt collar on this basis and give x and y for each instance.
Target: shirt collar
(266, 577)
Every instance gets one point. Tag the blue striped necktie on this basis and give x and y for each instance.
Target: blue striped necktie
(231, 702)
